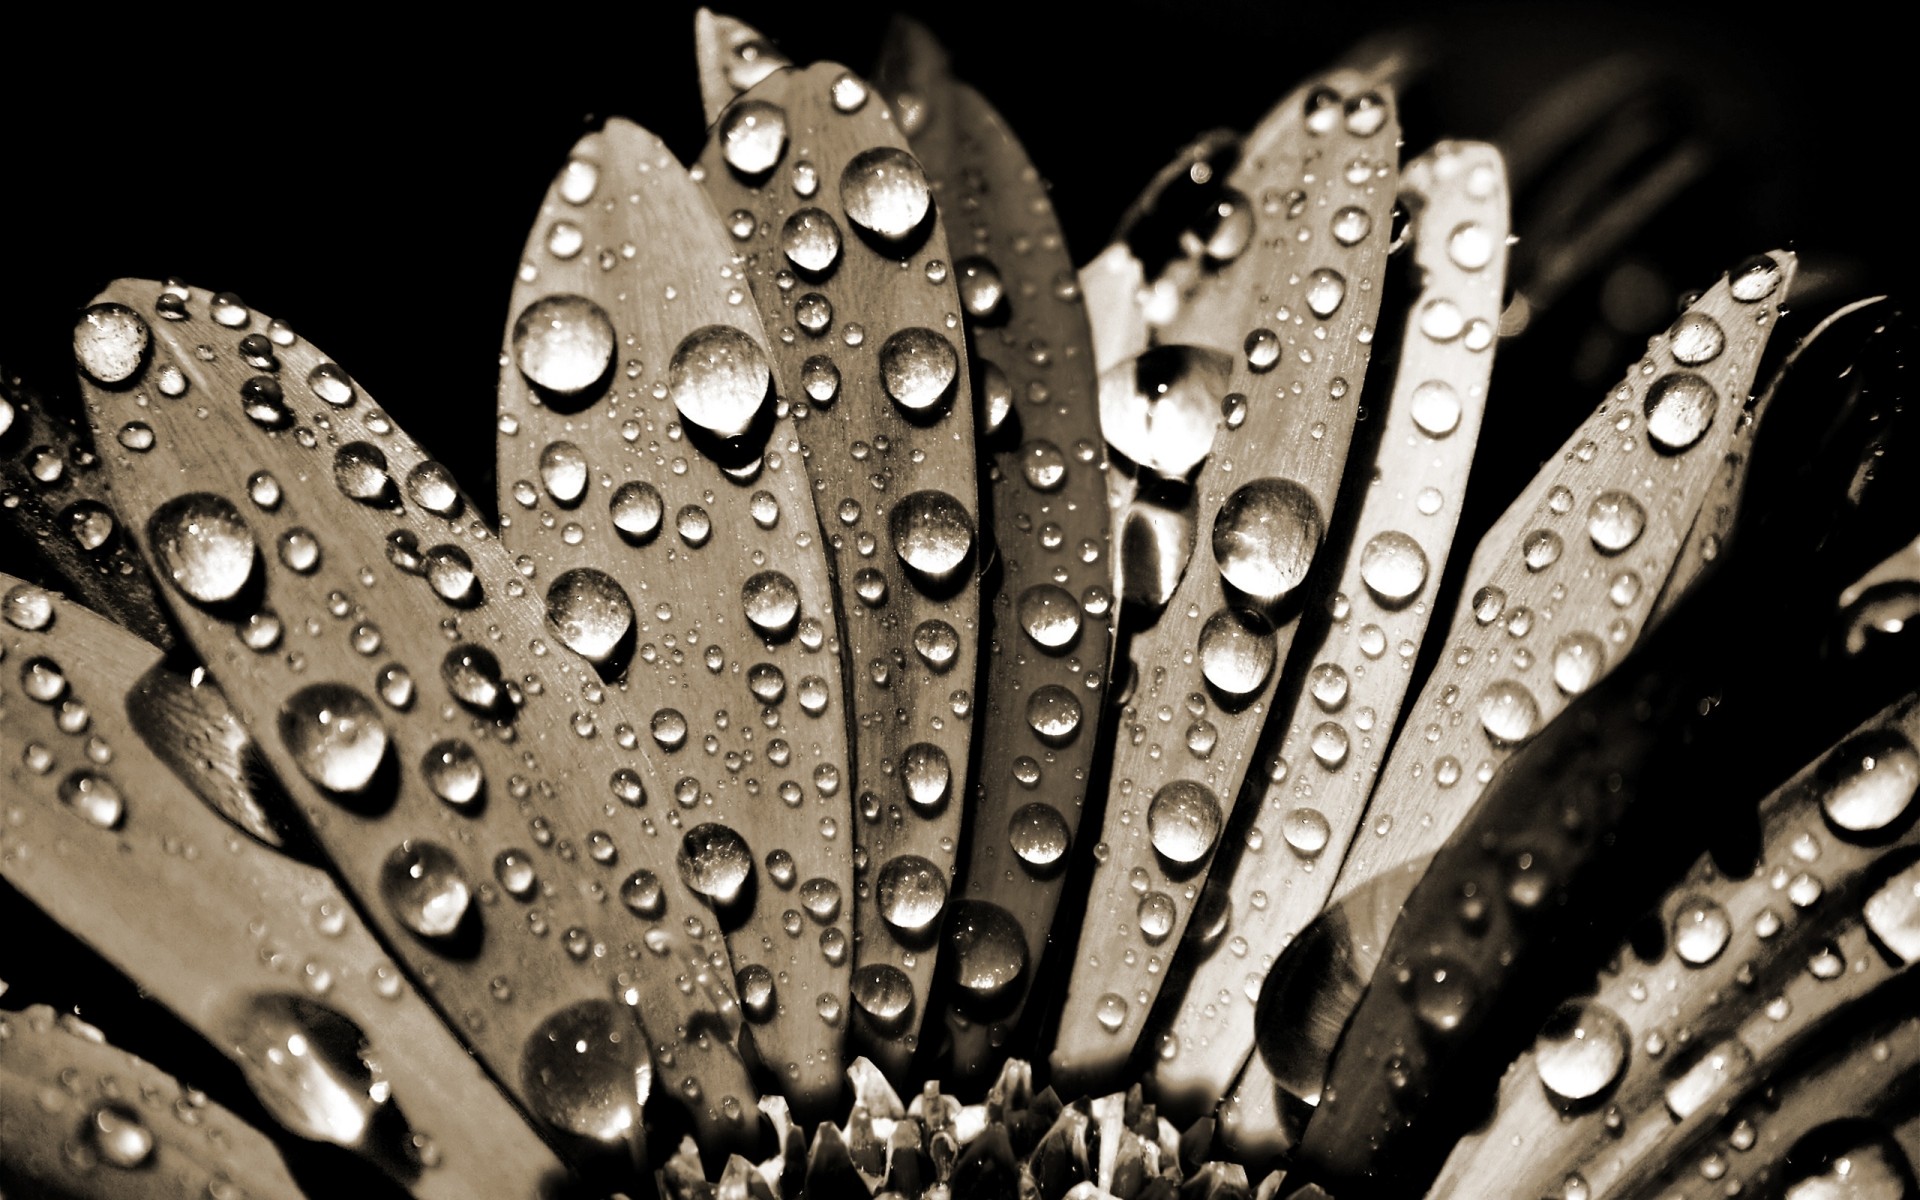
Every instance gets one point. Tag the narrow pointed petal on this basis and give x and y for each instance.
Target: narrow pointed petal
(1563, 585)
(1207, 671)
(1049, 616)
(111, 845)
(84, 1119)
(667, 509)
(867, 349)
(465, 773)
(1753, 967)
(731, 57)
(1336, 736)
(54, 508)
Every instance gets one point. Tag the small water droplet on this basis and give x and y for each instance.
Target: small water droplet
(1701, 929)
(591, 613)
(716, 863)
(425, 889)
(1050, 616)
(454, 772)
(753, 136)
(95, 798)
(771, 601)
(637, 509)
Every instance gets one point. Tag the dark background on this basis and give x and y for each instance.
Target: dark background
(374, 189)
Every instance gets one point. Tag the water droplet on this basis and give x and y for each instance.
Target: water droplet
(454, 773)
(1871, 780)
(110, 343)
(1581, 1052)
(204, 546)
(335, 737)
(330, 384)
(563, 344)
(563, 472)
(982, 291)
(473, 675)
(1470, 246)
(1038, 835)
(1351, 226)
(1700, 931)
(937, 643)
(1262, 348)
(987, 949)
(1050, 616)
(1111, 1011)
(28, 607)
(1679, 409)
(1615, 521)
(637, 509)
(883, 992)
(591, 613)
(927, 775)
(1508, 712)
(754, 136)
(118, 1136)
(1053, 713)
(716, 863)
(1330, 744)
(849, 93)
(1754, 279)
(425, 889)
(932, 533)
(885, 192)
(303, 1061)
(1043, 464)
(1436, 408)
(918, 367)
(643, 895)
(720, 379)
(771, 601)
(1393, 567)
(1578, 660)
(360, 472)
(585, 1071)
(432, 487)
(1696, 339)
(1541, 549)
(95, 798)
(1443, 992)
(911, 892)
(1307, 832)
(1326, 288)
(1183, 821)
(1265, 537)
(1237, 651)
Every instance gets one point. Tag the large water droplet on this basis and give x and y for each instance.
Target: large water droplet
(1111, 1011)
(637, 509)
(335, 737)
(1578, 659)
(1679, 409)
(591, 612)
(1700, 931)
(563, 472)
(305, 1063)
(1237, 651)
(118, 1136)
(1326, 288)
(1394, 567)
(987, 949)
(1754, 279)
(1508, 712)
(1053, 713)
(1265, 537)
(473, 675)
(95, 798)
(918, 367)
(1162, 409)
(1307, 832)
(927, 775)
(885, 192)
(1436, 407)
(1696, 339)
(1183, 821)
(1871, 780)
(771, 601)
(360, 472)
(932, 533)
(884, 993)
(563, 344)
(454, 773)
(811, 241)
(911, 891)
(204, 546)
(1581, 1051)
(585, 1072)
(110, 343)
(753, 136)
(715, 862)
(719, 378)
(425, 889)
(1615, 521)
(1050, 616)
(1038, 835)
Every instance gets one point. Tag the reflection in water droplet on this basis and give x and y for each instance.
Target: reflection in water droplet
(926, 774)
(204, 546)
(1578, 659)
(987, 949)
(1696, 339)
(1265, 537)
(305, 1063)
(1183, 821)
(1581, 1051)
(753, 136)
(1436, 407)
(918, 367)
(720, 379)
(1053, 713)
(885, 192)
(1237, 651)
(1679, 409)
(1050, 616)
(883, 992)
(1615, 521)
(1038, 835)
(932, 533)
(563, 344)
(1700, 931)
(771, 601)
(335, 737)
(590, 611)
(584, 1071)
(715, 862)
(637, 509)
(95, 798)
(425, 889)
(911, 892)
(1871, 781)
(110, 343)
(1393, 567)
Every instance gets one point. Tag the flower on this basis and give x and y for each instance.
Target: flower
(849, 542)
